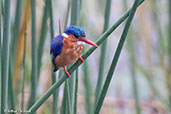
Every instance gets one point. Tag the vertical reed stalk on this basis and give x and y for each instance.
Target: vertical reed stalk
(75, 12)
(67, 13)
(169, 35)
(115, 58)
(57, 84)
(68, 98)
(34, 55)
(88, 88)
(152, 86)
(64, 108)
(131, 46)
(16, 28)
(103, 52)
(74, 21)
(24, 72)
(12, 97)
(133, 73)
(42, 36)
(75, 93)
(56, 93)
(5, 56)
(0, 54)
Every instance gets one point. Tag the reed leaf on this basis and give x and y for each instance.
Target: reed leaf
(74, 21)
(88, 88)
(67, 13)
(133, 73)
(24, 73)
(20, 44)
(64, 109)
(56, 93)
(34, 55)
(115, 58)
(42, 36)
(0, 53)
(169, 52)
(16, 27)
(104, 36)
(152, 86)
(131, 46)
(103, 51)
(12, 97)
(69, 105)
(5, 56)
(75, 93)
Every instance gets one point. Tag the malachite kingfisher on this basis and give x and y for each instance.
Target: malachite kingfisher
(67, 47)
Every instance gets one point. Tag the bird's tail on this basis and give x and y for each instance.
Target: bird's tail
(55, 69)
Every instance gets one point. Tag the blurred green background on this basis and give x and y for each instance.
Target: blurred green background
(143, 72)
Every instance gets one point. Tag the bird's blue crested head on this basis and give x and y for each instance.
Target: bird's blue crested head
(77, 31)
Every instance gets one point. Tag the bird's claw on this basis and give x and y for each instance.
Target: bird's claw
(68, 74)
(81, 59)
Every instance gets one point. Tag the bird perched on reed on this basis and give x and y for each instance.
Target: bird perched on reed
(67, 47)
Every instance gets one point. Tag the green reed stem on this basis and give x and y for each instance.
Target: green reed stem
(67, 13)
(133, 74)
(24, 72)
(42, 36)
(74, 21)
(64, 108)
(5, 56)
(169, 36)
(78, 63)
(68, 98)
(88, 88)
(16, 28)
(12, 99)
(75, 12)
(103, 52)
(115, 58)
(0, 53)
(76, 92)
(134, 83)
(152, 86)
(34, 72)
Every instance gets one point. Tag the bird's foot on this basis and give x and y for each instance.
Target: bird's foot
(68, 74)
(81, 59)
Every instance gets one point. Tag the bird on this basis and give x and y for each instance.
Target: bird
(67, 47)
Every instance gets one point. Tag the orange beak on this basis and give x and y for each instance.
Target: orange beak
(88, 42)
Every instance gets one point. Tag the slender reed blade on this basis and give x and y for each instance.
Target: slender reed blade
(16, 27)
(56, 93)
(42, 36)
(152, 86)
(133, 73)
(0, 53)
(34, 55)
(24, 73)
(103, 52)
(88, 88)
(115, 58)
(75, 93)
(104, 36)
(12, 97)
(68, 98)
(64, 108)
(169, 37)
(74, 21)
(130, 45)
(75, 12)
(67, 14)
(20, 45)
(5, 56)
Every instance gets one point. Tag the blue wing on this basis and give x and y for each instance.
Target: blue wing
(56, 45)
